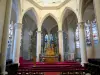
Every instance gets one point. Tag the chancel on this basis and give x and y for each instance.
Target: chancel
(49, 37)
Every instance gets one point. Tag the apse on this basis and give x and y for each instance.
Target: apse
(49, 38)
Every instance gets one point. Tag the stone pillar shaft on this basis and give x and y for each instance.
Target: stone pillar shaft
(61, 50)
(5, 35)
(38, 47)
(82, 43)
(17, 42)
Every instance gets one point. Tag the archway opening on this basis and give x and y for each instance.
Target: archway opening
(28, 43)
(69, 27)
(50, 37)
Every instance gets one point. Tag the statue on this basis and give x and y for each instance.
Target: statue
(51, 39)
(48, 40)
(46, 37)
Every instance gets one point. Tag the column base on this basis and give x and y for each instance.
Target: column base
(83, 63)
(4, 73)
(62, 60)
(37, 59)
(18, 64)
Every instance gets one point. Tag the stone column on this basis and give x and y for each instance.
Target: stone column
(17, 43)
(5, 34)
(97, 13)
(38, 47)
(60, 39)
(82, 43)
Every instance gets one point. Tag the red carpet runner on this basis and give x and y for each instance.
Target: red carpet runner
(52, 73)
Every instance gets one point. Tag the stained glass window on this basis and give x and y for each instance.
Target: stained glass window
(77, 37)
(88, 34)
(10, 40)
(95, 32)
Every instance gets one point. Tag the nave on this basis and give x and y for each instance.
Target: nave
(59, 68)
(59, 35)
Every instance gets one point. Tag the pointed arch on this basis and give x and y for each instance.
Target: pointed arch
(64, 11)
(34, 12)
(47, 15)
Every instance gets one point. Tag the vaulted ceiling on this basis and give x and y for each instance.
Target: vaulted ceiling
(49, 3)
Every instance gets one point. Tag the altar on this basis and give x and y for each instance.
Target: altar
(50, 59)
(50, 55)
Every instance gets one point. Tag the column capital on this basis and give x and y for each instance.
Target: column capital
(39, 31)
(81, 25)
(18, 25)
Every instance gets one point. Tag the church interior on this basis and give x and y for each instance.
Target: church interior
(49, 37)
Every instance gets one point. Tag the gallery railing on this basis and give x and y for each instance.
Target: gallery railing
(43, 57)
(69, 56)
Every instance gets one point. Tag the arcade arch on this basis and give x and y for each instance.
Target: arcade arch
(69, 25)
(28, 45)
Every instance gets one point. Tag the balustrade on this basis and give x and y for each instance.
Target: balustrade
(69, 56)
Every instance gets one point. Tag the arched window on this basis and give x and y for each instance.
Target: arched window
(10, 40)
(88, 31)
(95, 32)
(77, 37)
